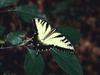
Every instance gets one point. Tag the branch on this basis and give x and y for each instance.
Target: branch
(20, 45)
(7, 47)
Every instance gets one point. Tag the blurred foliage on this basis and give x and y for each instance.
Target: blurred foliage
(20, 16)
(2, 41)
(2, 29)
(26, 12)
(34, 64)
(5, 3)
(5, 73)
(59, 8)
(71, 33)
(67, 61)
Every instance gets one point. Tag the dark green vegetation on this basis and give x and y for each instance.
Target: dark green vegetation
(16, 57)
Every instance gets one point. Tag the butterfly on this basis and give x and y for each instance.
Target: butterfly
(47, 36)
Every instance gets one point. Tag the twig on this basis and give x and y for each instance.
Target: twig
(20, 45)
(6, 47)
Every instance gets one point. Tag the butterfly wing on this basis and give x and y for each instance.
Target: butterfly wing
(41, 28)
(60, 42)
(48, 36)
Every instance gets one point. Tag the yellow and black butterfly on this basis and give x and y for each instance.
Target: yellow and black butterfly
(47, 36)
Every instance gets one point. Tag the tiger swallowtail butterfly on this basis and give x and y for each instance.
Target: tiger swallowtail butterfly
(47, 37)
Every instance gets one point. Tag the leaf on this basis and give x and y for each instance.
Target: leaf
(5, 3)
(34, 64)
(70, 33)
(27, 13)
(15, 38)
(68, 62)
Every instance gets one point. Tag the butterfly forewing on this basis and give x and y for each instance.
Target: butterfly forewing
(40, 28)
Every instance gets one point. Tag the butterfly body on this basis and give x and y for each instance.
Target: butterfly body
(39, 45)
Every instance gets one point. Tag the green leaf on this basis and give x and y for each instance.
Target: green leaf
(5, 3)
(15, 38)
(71, 34)
(27, 13)
(68, 62)
(34, 64)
